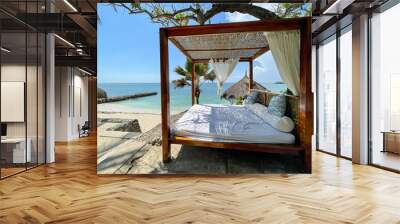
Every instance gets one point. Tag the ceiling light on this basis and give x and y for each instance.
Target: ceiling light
(79, 51)
(5, 50)
(70, 5)
(84, 71)
(65, 41)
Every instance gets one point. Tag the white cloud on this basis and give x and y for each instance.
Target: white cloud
(265, 69)
(240, 17)
(259, 70)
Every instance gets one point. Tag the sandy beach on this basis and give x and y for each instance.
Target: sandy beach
(141, 152)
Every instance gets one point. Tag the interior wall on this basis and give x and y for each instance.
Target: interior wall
(71, 102)
(61, 103)
(80, 102)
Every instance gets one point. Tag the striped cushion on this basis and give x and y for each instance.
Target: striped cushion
(277, 105)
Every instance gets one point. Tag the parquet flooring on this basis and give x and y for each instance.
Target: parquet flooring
(69, 191)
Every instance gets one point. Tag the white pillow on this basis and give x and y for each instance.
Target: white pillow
(284, 124)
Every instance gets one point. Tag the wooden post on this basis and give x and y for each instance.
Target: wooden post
(306, 95)
(194, 83)
(165, 110)
(251, 83)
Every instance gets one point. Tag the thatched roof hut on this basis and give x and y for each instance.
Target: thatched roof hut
(101, 93)
(241, 89)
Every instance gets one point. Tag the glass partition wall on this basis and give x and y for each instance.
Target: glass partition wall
(385, 89)
(334, 94)
(22, 98)
(345, 91)
(326, 140)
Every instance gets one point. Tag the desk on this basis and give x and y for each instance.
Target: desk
(15, 148)
(391, 141)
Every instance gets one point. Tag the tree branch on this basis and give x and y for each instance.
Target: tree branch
(195, 12)
(256, 11)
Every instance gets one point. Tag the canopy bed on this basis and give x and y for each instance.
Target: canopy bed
(243, 127)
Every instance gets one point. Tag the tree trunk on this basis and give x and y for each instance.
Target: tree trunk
(197, 95)
(246, 8)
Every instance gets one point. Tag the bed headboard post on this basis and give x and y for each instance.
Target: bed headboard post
(306, 115)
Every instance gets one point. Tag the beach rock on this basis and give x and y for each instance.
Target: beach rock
(127, 97)
(127, 126)
(111, 120)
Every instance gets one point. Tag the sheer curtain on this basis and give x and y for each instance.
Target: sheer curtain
(285, 48)
(223, 70)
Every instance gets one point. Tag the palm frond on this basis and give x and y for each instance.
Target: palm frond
(180, 83)
(210, 76)
(181, 71)
(202, 74)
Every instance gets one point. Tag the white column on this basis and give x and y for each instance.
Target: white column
(360, 90)
(50, 101)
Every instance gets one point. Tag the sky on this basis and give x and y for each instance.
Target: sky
(128, 49)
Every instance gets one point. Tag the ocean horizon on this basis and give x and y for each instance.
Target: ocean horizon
(180, 97)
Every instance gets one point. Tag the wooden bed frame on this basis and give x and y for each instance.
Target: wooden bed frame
(306, 100)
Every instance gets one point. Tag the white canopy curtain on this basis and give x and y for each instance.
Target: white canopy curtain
(223, 69)
(285, 48)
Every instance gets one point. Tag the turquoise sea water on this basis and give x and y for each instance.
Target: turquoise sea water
(180, 97)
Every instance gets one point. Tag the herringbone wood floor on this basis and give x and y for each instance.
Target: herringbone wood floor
(69, 191)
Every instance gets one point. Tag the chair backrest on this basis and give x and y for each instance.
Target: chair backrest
(86, 125)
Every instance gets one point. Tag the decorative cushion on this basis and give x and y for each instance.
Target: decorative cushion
(284, 124)
(277, 105)
(252, 98)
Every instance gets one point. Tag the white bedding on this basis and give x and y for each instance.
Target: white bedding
(228, 123)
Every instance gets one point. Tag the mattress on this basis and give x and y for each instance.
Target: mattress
(228, 124)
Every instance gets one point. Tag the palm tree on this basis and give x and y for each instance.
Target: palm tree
(202, 74)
